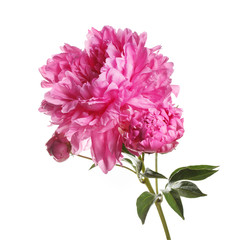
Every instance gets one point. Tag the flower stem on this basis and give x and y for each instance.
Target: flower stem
(160, 212)
(157, 203)
(156, 169)
(159, 208)
(118, 165)
(85, 157)
(151, 190)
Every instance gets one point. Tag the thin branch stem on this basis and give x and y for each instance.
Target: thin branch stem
(150, 188)
(159, 208)
(141, 158)
(84, 157)
(156, 169)
(160, 212)
(116, 164)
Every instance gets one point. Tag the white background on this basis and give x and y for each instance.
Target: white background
(42, 199)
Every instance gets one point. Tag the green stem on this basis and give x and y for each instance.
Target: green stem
(141, 158)
(157, 203)
(156, 169)
(116, 164)
(159, 208)
(150, 188)
(84, 157)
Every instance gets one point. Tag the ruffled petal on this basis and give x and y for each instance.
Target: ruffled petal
(106, 149)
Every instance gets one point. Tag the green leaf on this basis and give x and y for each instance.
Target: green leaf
(202, 167)
(195, 167)
(187, 189)
(138, 166)
(151, 174)
(144, 202)
(127, 160)
(125, 150)
(173, 199)
(195, 173)
(93, 166)
(135, 162)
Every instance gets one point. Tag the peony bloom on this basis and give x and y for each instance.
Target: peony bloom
(59, 147)
(90, 89)
(153, 130)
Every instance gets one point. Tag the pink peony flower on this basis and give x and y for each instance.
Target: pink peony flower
(59, 147)
(152, 130)
(90, 89)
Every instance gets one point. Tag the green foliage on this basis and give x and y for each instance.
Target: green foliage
(176, 187)
(173, 199)
(151, 174)
(194, 173)
(144, 202)
(125, 150)
(129, 161)
(187, 189)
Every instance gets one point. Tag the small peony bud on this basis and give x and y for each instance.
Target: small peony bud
(59, 147)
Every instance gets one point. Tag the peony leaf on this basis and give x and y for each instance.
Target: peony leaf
(194, 173)
(151, 174)
(129, 161)
(125, 150)
(202, 167)
(195, 167)
(135, 162)
(187, 189)
(138, 166)
(173, 199)
(144, 202)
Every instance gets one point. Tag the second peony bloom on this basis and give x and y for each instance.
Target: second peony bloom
(114, 91)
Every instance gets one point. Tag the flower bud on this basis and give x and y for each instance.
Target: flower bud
(59, 147)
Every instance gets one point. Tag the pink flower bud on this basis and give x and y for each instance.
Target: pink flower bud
(59, 147)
